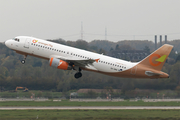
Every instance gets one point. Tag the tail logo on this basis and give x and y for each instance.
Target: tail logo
(157, 61)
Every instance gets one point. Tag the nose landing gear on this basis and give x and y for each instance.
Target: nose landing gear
(24, 60)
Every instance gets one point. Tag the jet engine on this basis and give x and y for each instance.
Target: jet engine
(60, 64)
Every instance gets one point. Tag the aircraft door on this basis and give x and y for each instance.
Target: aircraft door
(27, 42)
(133, 70)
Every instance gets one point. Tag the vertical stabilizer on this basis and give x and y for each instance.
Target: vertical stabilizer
(157, 59)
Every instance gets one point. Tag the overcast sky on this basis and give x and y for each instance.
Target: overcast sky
(124, 19)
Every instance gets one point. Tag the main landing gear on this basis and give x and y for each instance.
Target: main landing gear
(24, 60)
(78, 74)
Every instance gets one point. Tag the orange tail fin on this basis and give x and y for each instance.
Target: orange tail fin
(157, 59)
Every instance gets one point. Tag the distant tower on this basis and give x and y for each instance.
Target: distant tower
(105, 33)
(81, 30)
(155, 41)
(165, 39)
(160, 40)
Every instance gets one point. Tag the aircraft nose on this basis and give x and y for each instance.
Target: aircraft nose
(7, 43)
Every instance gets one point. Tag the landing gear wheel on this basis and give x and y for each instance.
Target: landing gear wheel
(78, 75)
(22, 61)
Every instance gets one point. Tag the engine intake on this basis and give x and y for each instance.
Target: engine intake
(60, 64)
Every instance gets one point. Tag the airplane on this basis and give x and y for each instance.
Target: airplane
(70, 58)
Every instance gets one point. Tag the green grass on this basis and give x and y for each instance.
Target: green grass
(68, 103)
(90, 114)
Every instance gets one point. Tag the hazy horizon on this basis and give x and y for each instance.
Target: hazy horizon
(124, 19)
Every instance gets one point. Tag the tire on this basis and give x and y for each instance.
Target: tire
(78, 75)
(22, 61)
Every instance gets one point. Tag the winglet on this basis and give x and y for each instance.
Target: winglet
(97, 60)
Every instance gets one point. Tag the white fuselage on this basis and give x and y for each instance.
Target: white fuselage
(70, 58)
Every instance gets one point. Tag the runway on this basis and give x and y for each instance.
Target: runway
(92, 108)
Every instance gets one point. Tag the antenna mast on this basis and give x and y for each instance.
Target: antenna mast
(105, 33)
(81, 30)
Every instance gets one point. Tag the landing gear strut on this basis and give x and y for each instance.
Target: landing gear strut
(78, 74)
(24, 60)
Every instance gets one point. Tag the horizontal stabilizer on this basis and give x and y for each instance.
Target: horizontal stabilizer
(150, 73)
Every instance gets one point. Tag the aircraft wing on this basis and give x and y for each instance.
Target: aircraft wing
(76, 62)
(81, 63)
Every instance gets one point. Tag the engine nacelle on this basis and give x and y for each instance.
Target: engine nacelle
(60, 64)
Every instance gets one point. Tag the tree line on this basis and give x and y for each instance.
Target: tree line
(36, 74)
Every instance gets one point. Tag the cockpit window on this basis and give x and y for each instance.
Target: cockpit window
(16, 39)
